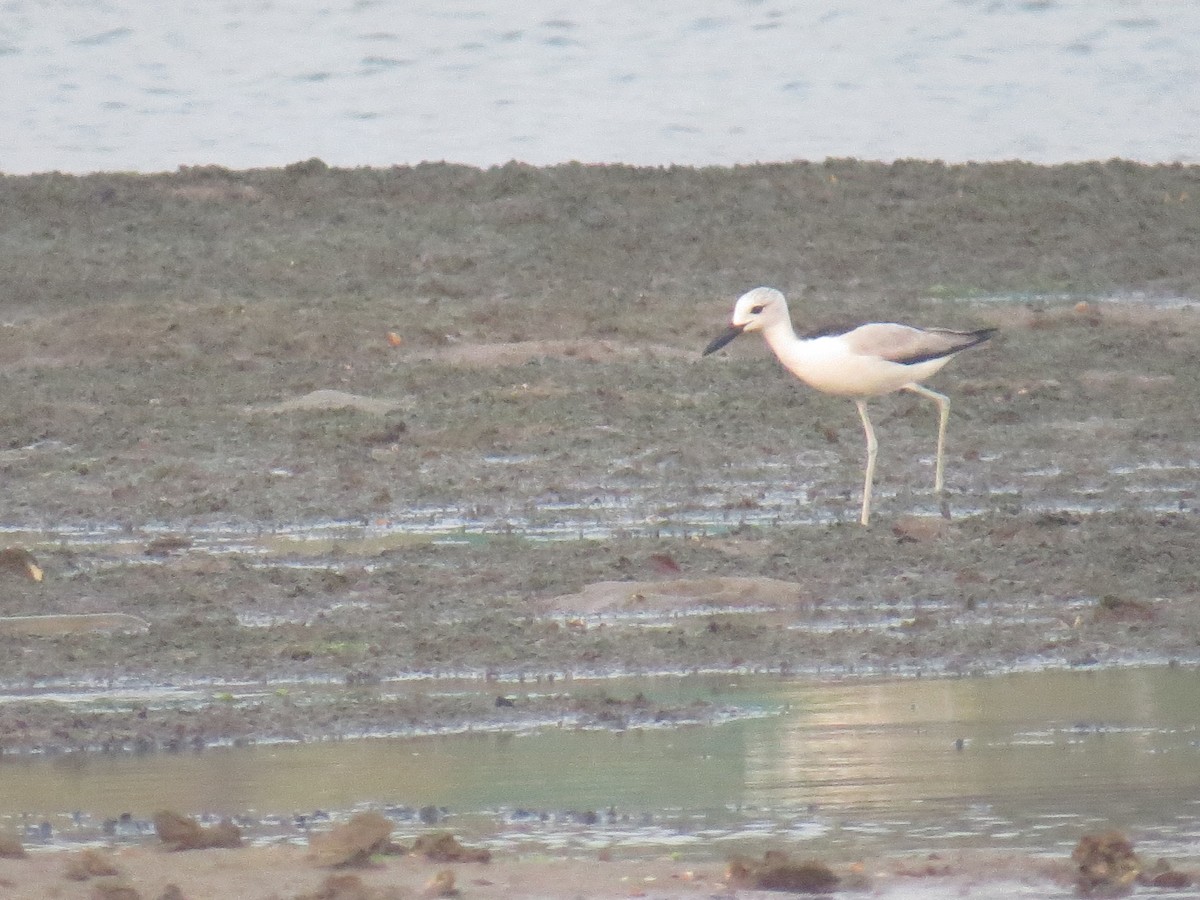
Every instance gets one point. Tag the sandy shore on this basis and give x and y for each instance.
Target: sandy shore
(286, 872)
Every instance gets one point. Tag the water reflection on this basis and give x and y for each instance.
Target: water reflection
(1025, 761)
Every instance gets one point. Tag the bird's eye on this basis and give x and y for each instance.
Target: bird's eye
(757, 309)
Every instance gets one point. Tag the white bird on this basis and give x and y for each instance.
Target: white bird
(857, 362)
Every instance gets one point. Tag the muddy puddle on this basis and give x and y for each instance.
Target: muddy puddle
(1022, 762)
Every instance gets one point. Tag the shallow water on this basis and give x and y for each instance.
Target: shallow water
(800, 492)
(1024, 762)
(95, 86)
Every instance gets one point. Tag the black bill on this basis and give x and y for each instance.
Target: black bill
(722, 339)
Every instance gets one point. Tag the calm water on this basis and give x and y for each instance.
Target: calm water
(840, 768)
(98, 85)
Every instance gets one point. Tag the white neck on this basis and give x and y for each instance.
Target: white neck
(781, 337)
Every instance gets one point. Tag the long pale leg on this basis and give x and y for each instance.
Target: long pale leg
(872, 448)
(943, 405)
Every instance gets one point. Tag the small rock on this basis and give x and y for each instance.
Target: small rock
(1108, 867)
(444, 847)
(181, 833)
(1161, 875)
(777, 872)
(352, 843)
(1170, 879)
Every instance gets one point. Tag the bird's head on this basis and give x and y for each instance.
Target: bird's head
(755, 310)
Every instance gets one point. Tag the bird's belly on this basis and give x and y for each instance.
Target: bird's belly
(857, 376)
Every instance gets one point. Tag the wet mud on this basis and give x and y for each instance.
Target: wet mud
(442, 352)
(182, 354)
(314, 427)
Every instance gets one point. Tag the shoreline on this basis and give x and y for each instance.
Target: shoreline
(172, 344)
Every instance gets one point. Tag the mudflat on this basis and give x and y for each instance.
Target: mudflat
(201, 368)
